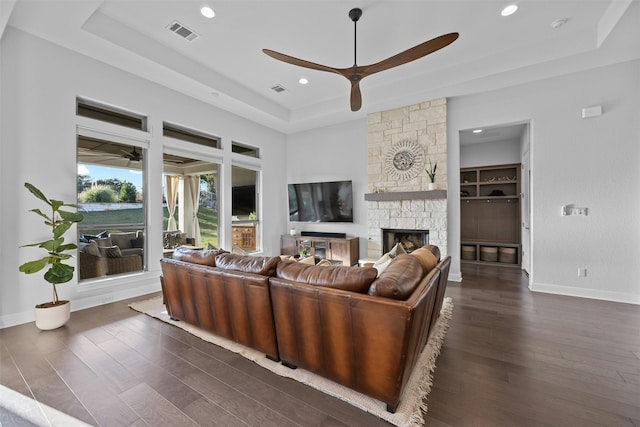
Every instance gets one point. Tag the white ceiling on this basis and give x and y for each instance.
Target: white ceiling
(225, 65)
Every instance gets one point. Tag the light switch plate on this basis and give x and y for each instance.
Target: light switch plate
(573, 210)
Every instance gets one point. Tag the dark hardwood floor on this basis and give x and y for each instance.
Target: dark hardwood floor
(510, 358)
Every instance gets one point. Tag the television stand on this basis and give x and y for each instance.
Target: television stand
(338, 250)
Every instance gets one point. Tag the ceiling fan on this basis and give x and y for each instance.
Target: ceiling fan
(133, 156)
(356, 73)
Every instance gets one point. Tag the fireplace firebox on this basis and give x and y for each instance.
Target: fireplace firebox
(409, 239)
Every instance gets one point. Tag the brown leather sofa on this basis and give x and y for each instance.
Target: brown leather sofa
(343, 323)
(223, 293)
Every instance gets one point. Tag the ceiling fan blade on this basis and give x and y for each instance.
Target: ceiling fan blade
(356, 96)
(299, 62)
(412, 54)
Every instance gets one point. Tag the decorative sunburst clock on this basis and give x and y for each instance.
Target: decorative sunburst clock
(404, 160)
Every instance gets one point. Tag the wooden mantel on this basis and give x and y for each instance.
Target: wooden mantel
(405, 195)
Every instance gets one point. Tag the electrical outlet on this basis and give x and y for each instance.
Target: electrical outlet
(582, 272)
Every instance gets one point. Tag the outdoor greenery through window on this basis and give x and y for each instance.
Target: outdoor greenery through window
(190, 205)
(111, 198)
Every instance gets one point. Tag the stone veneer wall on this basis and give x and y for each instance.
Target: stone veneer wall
(425, 123)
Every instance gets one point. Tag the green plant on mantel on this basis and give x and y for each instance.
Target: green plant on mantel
(431, 171)
(58, 222)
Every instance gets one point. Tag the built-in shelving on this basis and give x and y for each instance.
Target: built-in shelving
(490, 214)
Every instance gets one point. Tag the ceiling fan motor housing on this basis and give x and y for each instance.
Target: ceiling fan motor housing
(355, 14)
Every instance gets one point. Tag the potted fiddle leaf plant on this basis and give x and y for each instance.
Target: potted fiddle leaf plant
(55, 313)
(431, 172)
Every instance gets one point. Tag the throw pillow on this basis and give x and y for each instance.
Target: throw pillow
(86, 238)
(324, 263)
(398, 249)
(111, 252)
(122, 240)
(382, 263)
(103, 242)
(137, 243)
(235, 249)
(426, 258)
(308, 260)
(92, 248)
(172, 240)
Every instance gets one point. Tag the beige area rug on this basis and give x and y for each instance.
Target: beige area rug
(412, 406)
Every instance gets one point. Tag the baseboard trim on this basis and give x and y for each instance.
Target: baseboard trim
(585, 293)
(20, 318)
(455, 277)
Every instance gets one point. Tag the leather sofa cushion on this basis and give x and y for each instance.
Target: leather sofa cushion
(434, 250)
(265, 266)
(196, 256)
(426, 257)
(354, 279)
(399, 279)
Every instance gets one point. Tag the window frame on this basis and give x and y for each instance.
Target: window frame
(96, 129)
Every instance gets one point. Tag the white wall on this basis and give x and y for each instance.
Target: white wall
(330, 154)
(591, 163)
(490, 153)
(39, 85)
(588, 162)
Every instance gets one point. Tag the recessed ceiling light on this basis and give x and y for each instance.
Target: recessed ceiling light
(207, 12)
(303, 81)
(477, 131)
(509, 10)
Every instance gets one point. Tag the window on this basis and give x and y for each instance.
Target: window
(110, 115)
(245, 150)
(190, 202)
(190, 135)
(244, 208)
(111, 198)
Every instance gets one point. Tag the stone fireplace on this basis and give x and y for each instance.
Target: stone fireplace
(397, 201)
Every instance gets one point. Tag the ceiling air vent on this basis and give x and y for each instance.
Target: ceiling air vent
(278, 88)
(182, 31)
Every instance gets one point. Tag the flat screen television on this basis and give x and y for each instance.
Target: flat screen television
(321, 202)
(243, 200)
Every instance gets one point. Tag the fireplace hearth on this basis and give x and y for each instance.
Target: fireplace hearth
(409, 239)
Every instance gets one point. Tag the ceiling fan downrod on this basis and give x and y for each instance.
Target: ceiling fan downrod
(355, 14)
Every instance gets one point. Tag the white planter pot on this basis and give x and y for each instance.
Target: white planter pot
(432, 186)
(53, 317)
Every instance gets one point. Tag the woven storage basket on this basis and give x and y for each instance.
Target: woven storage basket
(468, 252)
(488, 253)
(508, 255)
